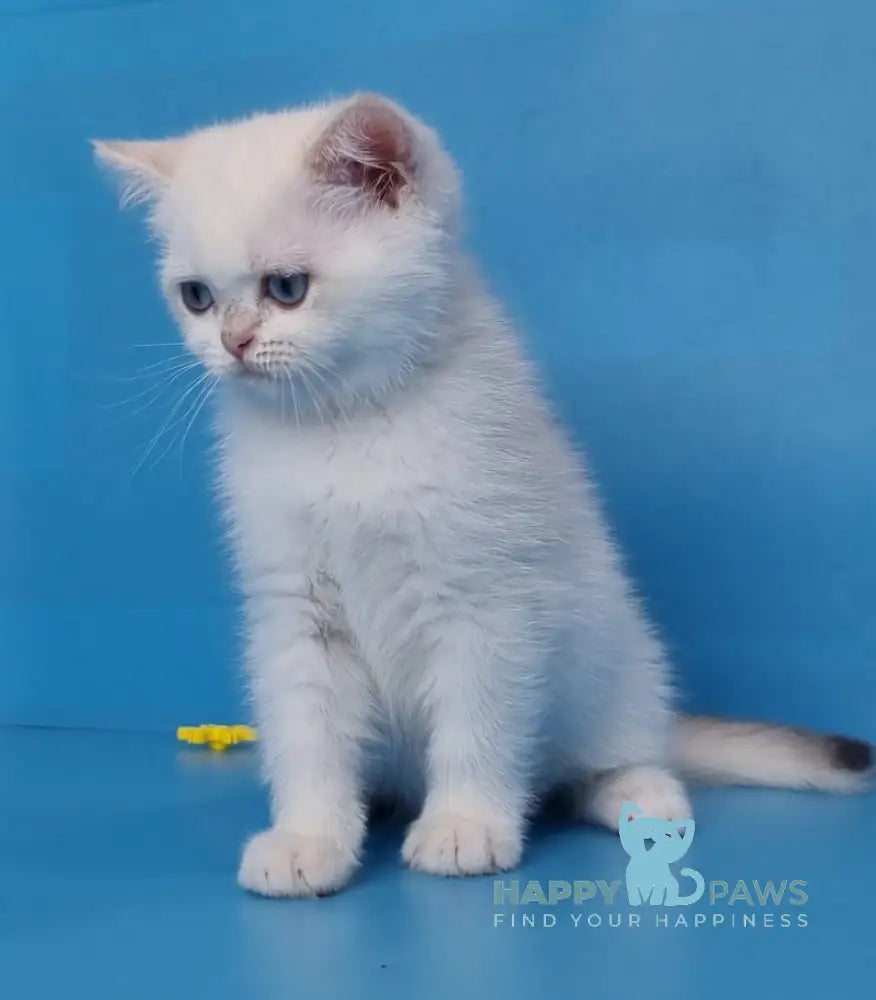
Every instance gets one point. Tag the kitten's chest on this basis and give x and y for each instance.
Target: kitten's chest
(346, 489)
(357, 510)
(374, 472)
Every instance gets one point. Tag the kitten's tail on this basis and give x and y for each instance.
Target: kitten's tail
(718, 751)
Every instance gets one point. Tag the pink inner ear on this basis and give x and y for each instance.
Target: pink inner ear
(368, 147)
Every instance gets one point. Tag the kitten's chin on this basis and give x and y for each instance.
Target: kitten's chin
(253, 386)
(238, 372)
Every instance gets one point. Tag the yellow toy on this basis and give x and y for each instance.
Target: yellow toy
(216, 737)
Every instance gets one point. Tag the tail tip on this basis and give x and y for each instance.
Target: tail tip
(851, 755)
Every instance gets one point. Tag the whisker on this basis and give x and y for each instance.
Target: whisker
(172, 364)
(311, 393)
(171, 357)
(154, 390)
(175, 343)
(148, 403)
(199, 405)
(332, 393)
(333, 373)
(164, 428)
(294, 396)
(174, 374)
(179, 422)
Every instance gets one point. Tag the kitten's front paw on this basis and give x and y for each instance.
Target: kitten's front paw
(444, 843)
(281, 863)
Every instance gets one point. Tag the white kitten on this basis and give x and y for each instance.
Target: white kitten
(435, 608)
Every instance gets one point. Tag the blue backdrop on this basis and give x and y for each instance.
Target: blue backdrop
(677, 198)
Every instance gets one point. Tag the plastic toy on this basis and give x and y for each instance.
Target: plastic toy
(216, 737)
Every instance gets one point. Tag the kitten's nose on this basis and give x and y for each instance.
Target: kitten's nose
(236, 337)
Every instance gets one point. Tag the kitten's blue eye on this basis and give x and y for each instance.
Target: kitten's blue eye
(286, 289)
(196, 296)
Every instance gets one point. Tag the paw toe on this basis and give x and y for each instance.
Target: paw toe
(449, 844)
(281, 863)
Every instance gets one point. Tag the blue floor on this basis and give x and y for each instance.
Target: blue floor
(117, 859)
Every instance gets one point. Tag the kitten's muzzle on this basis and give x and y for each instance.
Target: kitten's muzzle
(237, 338)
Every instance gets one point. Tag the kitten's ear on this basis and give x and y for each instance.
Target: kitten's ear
(144, 167)
(368, 150)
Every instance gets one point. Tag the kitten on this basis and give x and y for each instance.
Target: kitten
(435, 608)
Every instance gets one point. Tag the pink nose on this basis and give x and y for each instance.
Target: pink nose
(235, 340)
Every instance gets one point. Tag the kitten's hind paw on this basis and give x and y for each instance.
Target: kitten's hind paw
(444, 843)
(656, 793)
(278, 862)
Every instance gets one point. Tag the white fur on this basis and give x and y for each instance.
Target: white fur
(434, 606)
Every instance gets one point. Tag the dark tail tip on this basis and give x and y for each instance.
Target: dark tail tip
(851, 755)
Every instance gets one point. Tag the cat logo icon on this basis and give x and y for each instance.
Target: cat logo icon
(653, 844)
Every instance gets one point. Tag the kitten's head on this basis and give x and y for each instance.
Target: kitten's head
(311, 247)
